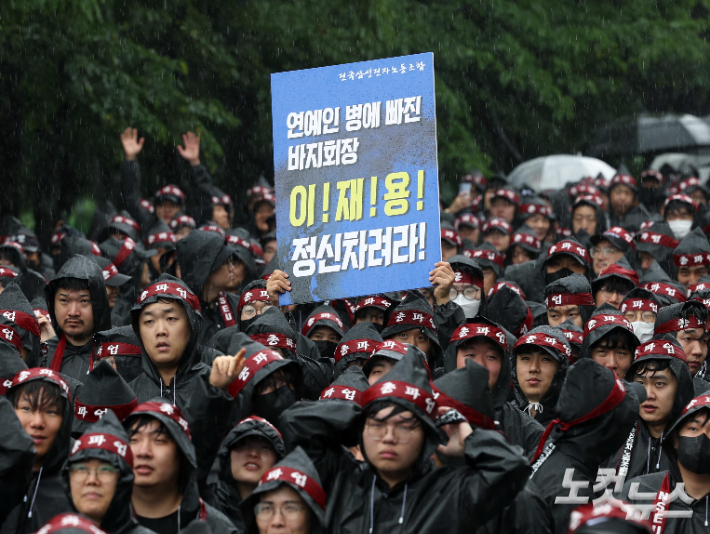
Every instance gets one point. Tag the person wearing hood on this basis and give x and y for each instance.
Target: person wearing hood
(689, 443)
(588, 218)
(537, 214)
(397, 431)
(289, 498)
(490, 262)
(31, 282)
(79, 307)
(182, 225)
(450, 243)
(640, 307)
(596, 411)
(15, 308)
(468, 227)
(373, 309)
(575, 337)
(468, 286)
(692, 257)
(661, 368)
(209, 266)
(524, 246)
(384, 357)
(484, 342)
(74, 245)
(114, 281)
(504, 204)
(680, 212)
(99, 477)
(160, 240)
(253, 301)
(569, 298)
(103, 390)
(273, 330)
(122, 348)
(250, 449)
(355, 347)
(610, 247)
(624, 209)
(508, 309)
(167, 321)
(667, 291)
(165, 495)
(325, 328)
(541, 360)
(657, 242)
(609, 340)
(687, 322)
(614, 283)
(563, 259)
(42, 403)
(120, 226)
(497, 232)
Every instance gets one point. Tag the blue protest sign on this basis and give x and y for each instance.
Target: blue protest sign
(356, 175)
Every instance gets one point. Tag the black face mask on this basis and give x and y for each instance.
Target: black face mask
(553, 277)
(32, 264)
(246, 323)
(270, 406)
(326, 348)
(694, 453)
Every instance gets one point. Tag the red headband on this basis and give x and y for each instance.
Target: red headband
(676, 325)
(570, 248)
(453, 236)
(160, 237)
(624, 179)
(342, 392)
(105, 442)
(377, 302)
(467, 218)
(325, 316)
(540, 339)
(569, 299)
(40, 372)
(536, 209)
(659, 239)
(682, 198)
(573, 337)
(412, 317)
(497, 222)
(605, 320)
(257, 419)
(168, 410)
(510, 285)
(618, 270)
(528, 240)
(125, 220)
(23, 320)
(619, 233)
(170, 190)
(354, 346)
(299, 478)
(391, 345)
(116, 348)
(260, 295)
(697, 401)
(7, 273)
(275, 340)
(170, 288)
(251, 367)
(87, 412)
(109, 272)
(124, 251)
(70, 521)
(691, 260)
(472, 416)
(507, 194)
(659, 348)
(639, 304)
(471, 330)
(401, 390)
(10, 335)
(486, 255)
(656, 287)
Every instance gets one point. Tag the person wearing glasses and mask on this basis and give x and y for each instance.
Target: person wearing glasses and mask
(467, 290)
(640, 307)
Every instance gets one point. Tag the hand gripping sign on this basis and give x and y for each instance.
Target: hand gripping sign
(357, 200)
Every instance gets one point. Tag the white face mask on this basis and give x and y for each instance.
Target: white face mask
(469, 307)
(680, 228)
(643, 331)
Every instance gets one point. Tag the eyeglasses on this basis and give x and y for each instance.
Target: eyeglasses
(250, 311)
(604, 251)
(289, 510)
(402, 433)
(105, 473)
(471, 293)
(646, 317)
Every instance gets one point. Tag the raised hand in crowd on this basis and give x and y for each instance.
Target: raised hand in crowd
(132, 146)
(191, 151)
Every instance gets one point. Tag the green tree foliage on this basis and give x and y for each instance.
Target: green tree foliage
(514, 79)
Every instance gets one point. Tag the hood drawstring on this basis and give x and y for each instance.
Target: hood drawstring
(533, 406)
(174, 388)
(648, 457)
(179, 508)
(404, 502)
(706, 510)
(660, 451)
(161, 387)
(34, 495)
(372, 504)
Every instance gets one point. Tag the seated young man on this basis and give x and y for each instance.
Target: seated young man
(569, 298)
(614, 283)
(542, 357)
(99, 475)
(661, 368)
(385, 355)
(689, 442)
(41, 399)
(250, 449)
(398, 435)
(609, 340)
(373, 309)
(692, 257)
(679, 212)
(79, 307)
(486, 343)
(608, 248)
(325, 329)
(165, 494)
